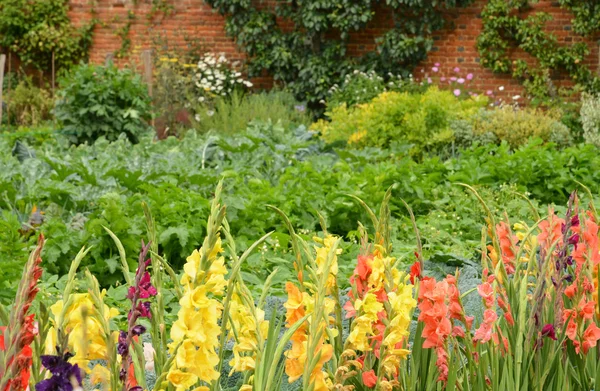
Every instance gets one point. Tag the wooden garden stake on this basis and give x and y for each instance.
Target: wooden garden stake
(8, 87)
(108, 60)
(2, 61)
(53, 74)
(147, 62)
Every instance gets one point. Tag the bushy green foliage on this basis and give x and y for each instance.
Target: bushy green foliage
(516, 126)
(28, 105)
(590, 119)
(422, 120)
(38, 30)
(97, 101)
(81, 189)
(227, 115)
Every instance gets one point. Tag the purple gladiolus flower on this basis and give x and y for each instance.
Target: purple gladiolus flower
(122, 346)
(63, 373)
(569, 278)
(144, 309)
(138, 329)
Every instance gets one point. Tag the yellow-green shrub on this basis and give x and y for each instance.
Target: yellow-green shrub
(419, 119)
(517, 125)
(29, 105)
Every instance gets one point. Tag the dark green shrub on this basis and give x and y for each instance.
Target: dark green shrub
(97, 101)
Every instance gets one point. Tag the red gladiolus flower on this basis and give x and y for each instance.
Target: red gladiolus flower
(2, 333)
(415, 272)
(549, 331)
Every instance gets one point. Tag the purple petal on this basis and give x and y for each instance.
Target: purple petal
(138, 329)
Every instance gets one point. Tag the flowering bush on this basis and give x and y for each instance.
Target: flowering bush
(456, 80)
(360, 87)
(215, 76)
(538, 328)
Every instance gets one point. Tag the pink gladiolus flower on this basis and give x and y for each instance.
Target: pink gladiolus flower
(460, 81)
(484, 332)
(470, 76)
(457, 92)
(489, 92)
(457, 69)
(429, 80)
(453, 78)
(435, 69)
(437, 64)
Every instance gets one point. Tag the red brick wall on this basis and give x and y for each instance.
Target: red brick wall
(453, 47)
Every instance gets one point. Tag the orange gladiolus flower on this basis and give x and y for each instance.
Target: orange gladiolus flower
(369, 378)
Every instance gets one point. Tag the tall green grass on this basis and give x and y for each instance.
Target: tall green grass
(229, 115)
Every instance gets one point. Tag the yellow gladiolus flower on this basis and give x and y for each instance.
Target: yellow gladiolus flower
(181, 380)
(246, 326)
(83, 328)
(100, 375)
(321, 259)
(197, 328)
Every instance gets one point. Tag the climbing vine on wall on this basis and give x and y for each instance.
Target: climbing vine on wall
(37, 30)
(304, 43)
(505, 28)
(158, 7)
(587, 15)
